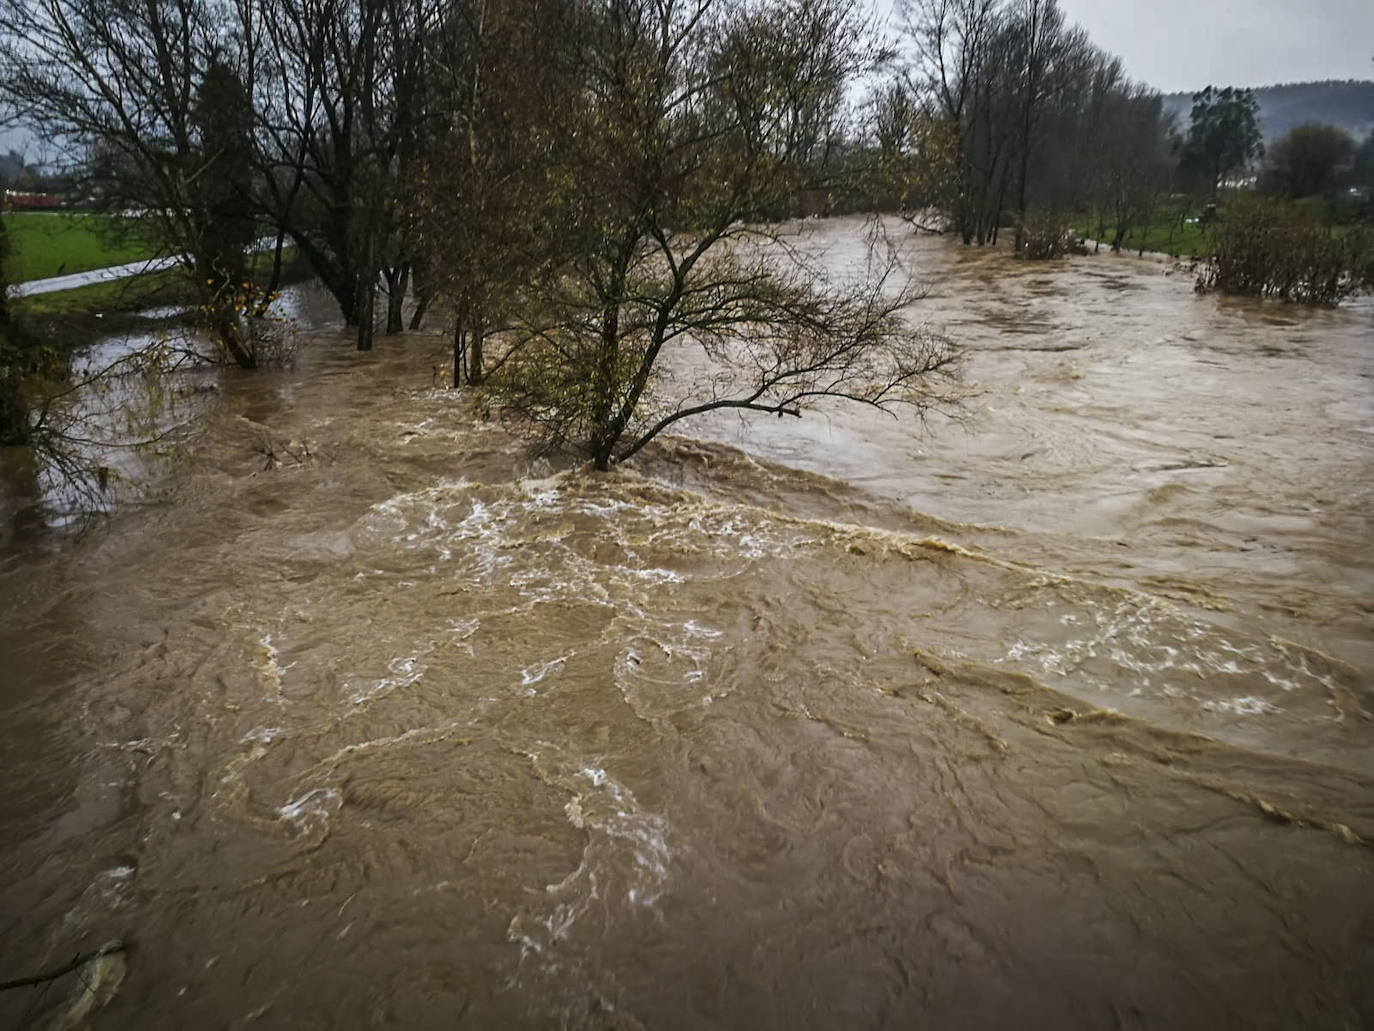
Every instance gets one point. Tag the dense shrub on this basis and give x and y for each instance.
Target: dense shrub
(1048, 234)
(1268, 248)
(14, 416)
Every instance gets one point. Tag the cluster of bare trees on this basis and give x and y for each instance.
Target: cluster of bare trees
(578, 184)
(628, 226)
(224, 121)
(585, 189)
(1021, 113)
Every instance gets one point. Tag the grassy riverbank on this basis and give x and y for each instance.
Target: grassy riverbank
(1174, 227)
(45, 244)
(100, 306)
(1172, 230)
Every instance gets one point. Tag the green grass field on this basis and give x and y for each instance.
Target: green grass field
(44, 244)
(1165, 234)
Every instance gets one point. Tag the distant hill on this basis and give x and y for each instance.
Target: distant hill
(1348, 104)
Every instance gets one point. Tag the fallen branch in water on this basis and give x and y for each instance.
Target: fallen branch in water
(915, 223)
(79, 961)
(932, 230)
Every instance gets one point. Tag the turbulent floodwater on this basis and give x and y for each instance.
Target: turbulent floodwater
(1057, 715)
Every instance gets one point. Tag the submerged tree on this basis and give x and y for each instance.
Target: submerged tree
(1267, 247)
(963, 67)
(342, 93)
(696, 117)
(222, 209)
(484, 205)
(1131, 161)
(914, 167)
(1033, 112)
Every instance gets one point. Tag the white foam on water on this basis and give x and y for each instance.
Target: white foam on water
(1283, 683)
(268, 667)
(534, 674)
(463, 631)
(618, 815)
(404, 670)
(655, 576)
(1245, 706)
(1165, 654)
(626, 860)
(661, 655)
(312, 809)
(695, 629)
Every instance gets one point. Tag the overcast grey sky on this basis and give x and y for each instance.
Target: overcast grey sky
(1177, 45)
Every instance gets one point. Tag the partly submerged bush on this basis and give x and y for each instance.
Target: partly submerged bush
(1268, 248)
(1048, 234)
(240, 325)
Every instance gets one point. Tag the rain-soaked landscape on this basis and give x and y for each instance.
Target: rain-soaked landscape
(1054, 710)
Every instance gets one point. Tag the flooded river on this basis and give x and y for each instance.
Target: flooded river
(1056, 713)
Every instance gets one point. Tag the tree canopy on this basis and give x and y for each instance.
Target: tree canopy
(1307, 161)
(1223, 134)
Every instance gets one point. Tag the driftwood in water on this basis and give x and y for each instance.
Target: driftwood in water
(921, 227)
(76, 963)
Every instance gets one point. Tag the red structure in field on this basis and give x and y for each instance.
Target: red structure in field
(16, 200)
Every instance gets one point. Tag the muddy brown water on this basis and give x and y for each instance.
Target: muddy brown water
(1058, 715)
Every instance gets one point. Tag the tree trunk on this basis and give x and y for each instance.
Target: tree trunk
(367, 297)
(475, 371)
(229, 332)
(421, 289)
(1032, 85)
(14, 412)
(459, 352)
(417, 317)
(396, 281)
(603, 441)
(477, 338)
(343, 284)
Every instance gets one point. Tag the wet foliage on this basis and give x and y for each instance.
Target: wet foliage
(1267, 248)
(1047, 234)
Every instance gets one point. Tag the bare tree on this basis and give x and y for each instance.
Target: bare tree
(1038, 34)
(696, 117)
(960, 59)
(913, 159)
(1134, 160)
(340, 90)
(486, 198)
(1033, 110)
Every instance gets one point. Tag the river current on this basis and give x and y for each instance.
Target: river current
(1052, 711)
